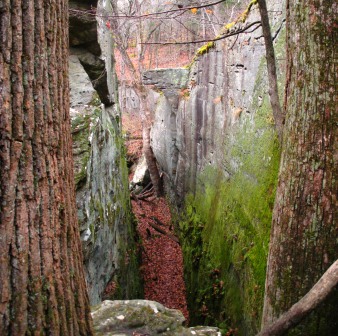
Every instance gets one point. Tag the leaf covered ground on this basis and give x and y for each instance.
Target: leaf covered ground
(162, 259)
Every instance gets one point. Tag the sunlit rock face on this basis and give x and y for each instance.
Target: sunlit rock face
(100, 169)
(142, 317)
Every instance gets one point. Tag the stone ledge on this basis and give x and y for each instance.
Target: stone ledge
(166, 78)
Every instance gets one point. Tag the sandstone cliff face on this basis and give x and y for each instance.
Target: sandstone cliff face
(214, 139)
(202, 115)
(101, 179)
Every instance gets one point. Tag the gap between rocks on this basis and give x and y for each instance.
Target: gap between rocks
(162, 259)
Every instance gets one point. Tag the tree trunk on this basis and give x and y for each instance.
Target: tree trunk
(319, 292)
(42, 286)
(277, 111)
(304, 227)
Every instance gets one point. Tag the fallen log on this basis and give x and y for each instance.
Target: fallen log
(160, 230)
(157, 220)
(146, 194)
(143, 195)
(145, 189)
(317, 294)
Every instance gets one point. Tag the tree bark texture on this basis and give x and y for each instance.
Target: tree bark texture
(318, 293)
(304, 227)
(42, 286)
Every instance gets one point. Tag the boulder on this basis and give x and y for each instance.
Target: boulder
(142, 318)
(141, 175)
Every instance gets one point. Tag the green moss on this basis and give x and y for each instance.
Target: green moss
(201, 51)
(127, 278)
(211, 44)
(95, 100)
(80, 135)
(114, 210)
(226, 227)
(240, 19)
(205, 48)
(244, 15)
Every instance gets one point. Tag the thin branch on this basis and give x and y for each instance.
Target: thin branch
(209, 19)
(186, 28)
(216, 38)
(234, 43)
(184, 9)
(151, 32)
(278, 30)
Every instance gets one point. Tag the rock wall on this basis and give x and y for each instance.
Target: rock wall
(214, 139)
(104, 211)
(128, 99)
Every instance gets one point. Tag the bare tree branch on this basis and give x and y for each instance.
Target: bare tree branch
(319, 292)
(186, 28)
(184, 9)
(258, 23)
(209, 20)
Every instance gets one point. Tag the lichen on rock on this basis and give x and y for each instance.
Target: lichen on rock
(142, 317)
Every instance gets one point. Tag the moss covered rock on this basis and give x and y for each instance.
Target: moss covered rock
(142, 317)
(104, 212)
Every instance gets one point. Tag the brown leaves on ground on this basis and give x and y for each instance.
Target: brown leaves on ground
(162, 260)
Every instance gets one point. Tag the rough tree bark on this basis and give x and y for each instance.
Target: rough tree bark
(318, 293)
(304, 227)
(42, 285)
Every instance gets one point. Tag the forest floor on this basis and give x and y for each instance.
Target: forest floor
(162, 259)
